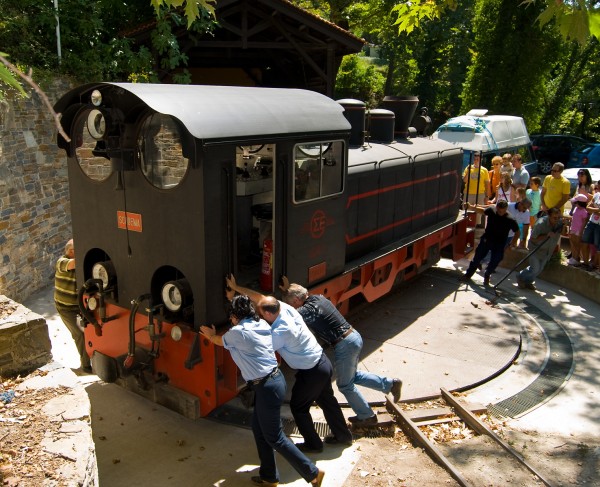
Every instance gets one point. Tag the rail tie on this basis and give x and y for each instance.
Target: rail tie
(411, 429)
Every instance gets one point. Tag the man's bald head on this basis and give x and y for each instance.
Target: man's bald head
(269, 308)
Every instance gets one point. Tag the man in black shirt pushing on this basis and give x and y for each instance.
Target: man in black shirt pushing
(499, 224)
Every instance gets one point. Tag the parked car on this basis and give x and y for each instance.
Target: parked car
(587, 156)
(551, 148)
(571, 175)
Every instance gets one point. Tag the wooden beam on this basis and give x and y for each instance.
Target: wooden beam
(300, 50)
(249, 44)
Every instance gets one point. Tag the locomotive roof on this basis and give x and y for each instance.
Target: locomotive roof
(417, 149)
(231, 112)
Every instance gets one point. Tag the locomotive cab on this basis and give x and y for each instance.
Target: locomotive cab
(174, 187)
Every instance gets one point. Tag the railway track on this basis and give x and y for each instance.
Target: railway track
(485, 453)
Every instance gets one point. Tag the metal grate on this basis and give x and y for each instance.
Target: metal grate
(290, 428)
(243, 418)
(556, 372)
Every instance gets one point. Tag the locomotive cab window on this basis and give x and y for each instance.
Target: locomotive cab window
(90, 145)
(160, 152)
(318, 170)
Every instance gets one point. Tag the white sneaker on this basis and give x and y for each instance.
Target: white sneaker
(573, 261)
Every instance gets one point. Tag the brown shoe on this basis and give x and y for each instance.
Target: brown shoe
(318, 480)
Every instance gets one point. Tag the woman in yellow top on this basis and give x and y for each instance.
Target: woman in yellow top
(477, 184)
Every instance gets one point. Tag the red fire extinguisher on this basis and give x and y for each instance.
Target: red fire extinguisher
(266, 270)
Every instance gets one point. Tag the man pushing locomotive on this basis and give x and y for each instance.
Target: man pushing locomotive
(327, 323)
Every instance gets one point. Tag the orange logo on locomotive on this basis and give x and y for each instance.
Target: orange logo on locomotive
(318, 223)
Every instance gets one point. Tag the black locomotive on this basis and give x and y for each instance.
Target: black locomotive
(173, 187)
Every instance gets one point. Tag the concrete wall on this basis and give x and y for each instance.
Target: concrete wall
(35, 220)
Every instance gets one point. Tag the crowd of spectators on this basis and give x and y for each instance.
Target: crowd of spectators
(530, 203)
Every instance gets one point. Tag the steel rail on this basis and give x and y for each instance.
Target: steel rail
(412, 430)
(480, 427)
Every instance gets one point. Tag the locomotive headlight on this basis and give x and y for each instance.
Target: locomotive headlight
(104, 271)
(176, 333)
(92, 303)
(175, 293)
(96, 124)
(96, 98)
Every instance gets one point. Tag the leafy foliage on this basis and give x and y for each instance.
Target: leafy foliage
(411, 14)
(92, 45)
(578, 19)
(192, 8)
(7, 78)
(357, 78)
(503, 77)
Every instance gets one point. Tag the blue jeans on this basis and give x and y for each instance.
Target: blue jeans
(346, 354)
(268, 432)
(485, 246)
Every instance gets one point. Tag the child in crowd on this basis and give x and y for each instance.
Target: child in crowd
(520, 195)
(590, 240)
(503, 191)
(507, 167)
(578, 222)
(534, 195)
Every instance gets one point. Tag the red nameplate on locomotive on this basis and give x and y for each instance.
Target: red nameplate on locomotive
(129, 221)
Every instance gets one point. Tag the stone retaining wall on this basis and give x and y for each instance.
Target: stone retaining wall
(35, 220)
(24, 340)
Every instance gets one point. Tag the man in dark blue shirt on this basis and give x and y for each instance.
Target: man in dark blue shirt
(499, 224)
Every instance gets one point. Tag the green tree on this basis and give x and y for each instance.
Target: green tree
(443, 54)
(572, 83)
(505, 77)
(575, 19)
(359, 79)
(92, 47)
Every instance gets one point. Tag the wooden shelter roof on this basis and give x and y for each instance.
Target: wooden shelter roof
(270, 43)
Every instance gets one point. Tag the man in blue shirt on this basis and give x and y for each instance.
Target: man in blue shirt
(325, 321)
(299, 348)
